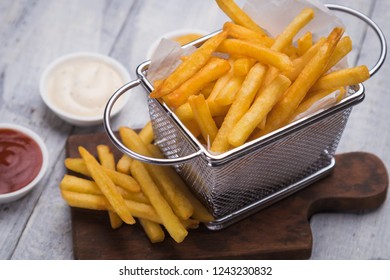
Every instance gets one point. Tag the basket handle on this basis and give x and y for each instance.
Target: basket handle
(374, 26)
(121, 146)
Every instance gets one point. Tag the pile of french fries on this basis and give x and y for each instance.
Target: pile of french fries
(130, 190)
(262, 86)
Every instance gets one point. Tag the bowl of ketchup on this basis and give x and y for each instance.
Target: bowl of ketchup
(23, 161)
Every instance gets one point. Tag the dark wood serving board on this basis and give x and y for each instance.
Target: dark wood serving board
(282, 231)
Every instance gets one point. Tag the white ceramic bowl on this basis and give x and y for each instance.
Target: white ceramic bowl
(171, 36)
(12, 196)
(76, 119)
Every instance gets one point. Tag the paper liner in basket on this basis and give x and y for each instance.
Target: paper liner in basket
(273, 16)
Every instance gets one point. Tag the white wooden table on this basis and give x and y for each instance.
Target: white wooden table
(33, 33)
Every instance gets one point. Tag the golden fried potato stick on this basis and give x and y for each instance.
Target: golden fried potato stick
(239, 107)
(200, 212)
(76, 184)
(107, 160)
(262, 54)
(242, 66)
(263, 104)
(153, 230)
(122, 180)
(99, 202)
(240, 32)
(228, 93)
(105, 156)
(107, 186)
(343, 77)
(214, 69)
(170, 221)
(286, 107)
(233, 11)
(123, 164)
(304, 43)
(176, 199)
(203, 117)
(146, 133)
(284, 39)
(193, 127)
(343, 47)
(189, 67)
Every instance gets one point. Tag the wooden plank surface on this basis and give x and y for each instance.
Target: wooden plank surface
(33, 33)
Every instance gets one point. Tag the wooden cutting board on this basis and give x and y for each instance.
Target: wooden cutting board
(281, 231)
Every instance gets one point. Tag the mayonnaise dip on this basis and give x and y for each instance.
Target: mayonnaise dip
(82, 85)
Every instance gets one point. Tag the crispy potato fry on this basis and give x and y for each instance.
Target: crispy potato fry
(146, 133)
(169, 219)
(122, 180)
(153, 230)
(200, 212)
(304, 43)
(115, 220)
(230, 8)
(176, 199)
(240, 105)
(99, 202)
(76, 184)
(262, 54)
(185, 39)
(343, 77)
(189, 67)
(105, 156)
(193, 127)
(240, 32)
(203, 117)
(123, 164)
(284, 109)
(258, 111)
(190, 224)
(284, 39)
(214, 69)
(107, 186)
(228, 93)
(344, 46)
(242, 66)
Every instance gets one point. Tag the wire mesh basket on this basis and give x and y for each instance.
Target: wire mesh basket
(248, 178)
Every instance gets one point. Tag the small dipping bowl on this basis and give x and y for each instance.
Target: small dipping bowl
(23, 152)
(182, 36)
(77, 86)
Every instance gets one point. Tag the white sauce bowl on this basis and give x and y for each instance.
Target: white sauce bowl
(72, 117)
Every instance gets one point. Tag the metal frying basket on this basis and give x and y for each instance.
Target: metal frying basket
(248, 178)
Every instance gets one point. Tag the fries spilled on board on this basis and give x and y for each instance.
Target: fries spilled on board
(261, 84)
(132, 191)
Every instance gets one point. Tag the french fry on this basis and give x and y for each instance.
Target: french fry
(344, 46)
(193, 127)
(107, 160)
(242, 66)
(262, 54)
(76, 184)
(179, 203)
(258, 111)
(123, 164)
(203, 117)
(240, 32)
(240, 105)
(146, 133)
(189, 67)
(99, 202)
(228, 93)
(169, 219)
(153, 230)
(122, 180)
(213, 70)
(230, 8)
(304, 43)
(200, 212)
(343, 77)
(105, 156)
(286, 107)
(284, 39)
(107, 186)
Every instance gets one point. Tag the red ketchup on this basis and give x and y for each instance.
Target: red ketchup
(20, 160)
